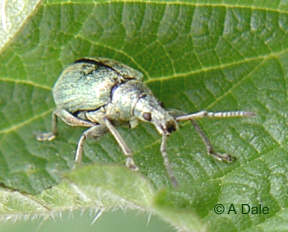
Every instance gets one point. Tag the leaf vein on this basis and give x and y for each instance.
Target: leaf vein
(24, 123)
(25, 82)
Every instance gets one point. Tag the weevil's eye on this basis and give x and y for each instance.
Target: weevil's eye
(147, 116)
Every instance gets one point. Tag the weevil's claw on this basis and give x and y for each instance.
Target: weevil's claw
(130, 164)
(48, 136)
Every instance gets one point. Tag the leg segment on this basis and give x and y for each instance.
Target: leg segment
(203, 136)
(209, 147)
(68, 118)
(126, 150)
(166, 161)
(49, 136)
(71, 120)
(95, 131)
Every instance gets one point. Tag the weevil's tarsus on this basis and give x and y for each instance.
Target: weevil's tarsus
(210, 150)
(46, 136)
(166, 161)
(95, 132)
(126, 150)
(49, 136)
(206, 114)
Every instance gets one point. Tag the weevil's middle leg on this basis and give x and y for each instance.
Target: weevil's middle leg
(126, 150)
(95, 131)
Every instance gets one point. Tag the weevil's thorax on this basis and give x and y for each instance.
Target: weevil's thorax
(123, 99)
(133, 101)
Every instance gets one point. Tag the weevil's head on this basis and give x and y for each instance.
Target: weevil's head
(148, 109)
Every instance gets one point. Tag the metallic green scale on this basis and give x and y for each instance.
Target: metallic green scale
(87, 85)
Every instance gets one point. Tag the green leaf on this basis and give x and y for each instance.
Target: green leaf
(13, 15)
(216, 56)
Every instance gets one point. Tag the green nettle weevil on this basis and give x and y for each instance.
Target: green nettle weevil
(101, 93)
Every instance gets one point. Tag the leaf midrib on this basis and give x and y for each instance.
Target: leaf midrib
(42, 114)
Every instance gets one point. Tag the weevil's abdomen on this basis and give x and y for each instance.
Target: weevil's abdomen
(87, 84)
(84, 87)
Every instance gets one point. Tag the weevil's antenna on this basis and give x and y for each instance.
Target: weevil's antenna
(206, 114)
(166, 161)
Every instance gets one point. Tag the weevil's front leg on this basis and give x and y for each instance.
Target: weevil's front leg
(208, 145)
(68, 118)
(95, 131)
(203, 136)
(126, 150)
(166, 161)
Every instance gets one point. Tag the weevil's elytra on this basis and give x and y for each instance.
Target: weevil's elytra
(100, 94)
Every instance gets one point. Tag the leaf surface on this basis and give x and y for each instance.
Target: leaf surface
(216, 56)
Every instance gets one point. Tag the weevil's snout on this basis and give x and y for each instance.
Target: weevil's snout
(166, 126)
(170, 126)
(148, 109)
(164, 123)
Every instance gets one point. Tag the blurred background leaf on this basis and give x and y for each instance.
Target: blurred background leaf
(128, 221)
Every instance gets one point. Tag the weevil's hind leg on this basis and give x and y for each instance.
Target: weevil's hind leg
(126, 150)
(166, 161)
(49, 136)
(95, 131)
(71, 120)
(209, 147)
(68, 118)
